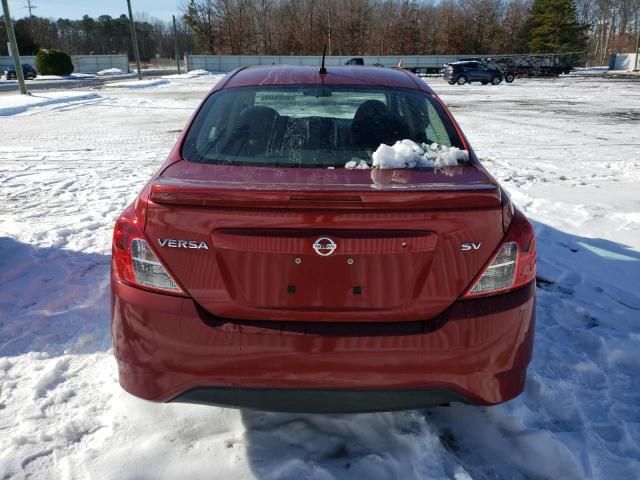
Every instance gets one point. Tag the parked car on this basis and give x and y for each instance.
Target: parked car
(27, 70)
(355, 61)
(360, 61)
(256, 269)
(472, 71)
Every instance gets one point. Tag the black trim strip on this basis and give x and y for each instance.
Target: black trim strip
(315, 400)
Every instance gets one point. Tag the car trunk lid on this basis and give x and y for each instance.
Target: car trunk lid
(324, 244)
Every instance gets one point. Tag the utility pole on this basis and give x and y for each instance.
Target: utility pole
(30, 7)
(635, 67)
(175, 36)
(329, 29)
(134, 38)
(14, 47)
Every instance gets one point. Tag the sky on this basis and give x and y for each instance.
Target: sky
(74, 9)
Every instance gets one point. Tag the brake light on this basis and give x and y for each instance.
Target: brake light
(507, 212)
(514, 263)
(133, 262)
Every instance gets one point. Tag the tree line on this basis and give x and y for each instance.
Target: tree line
(613, 26)
(101, 35)
(351, 27)
(358, 27)
(407, 27)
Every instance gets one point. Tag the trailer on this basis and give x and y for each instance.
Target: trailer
(512, 66)
(532, 65)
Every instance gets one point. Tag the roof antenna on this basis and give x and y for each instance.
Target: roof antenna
(323, 71)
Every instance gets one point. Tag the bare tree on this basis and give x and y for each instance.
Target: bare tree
(201, 17)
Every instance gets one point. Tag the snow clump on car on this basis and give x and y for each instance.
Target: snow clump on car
(357, 163)
(408, 154)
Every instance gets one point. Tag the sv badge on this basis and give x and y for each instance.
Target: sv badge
(465, 247)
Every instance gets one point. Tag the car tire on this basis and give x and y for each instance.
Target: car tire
(452, 83)
(496, 80)
(484, 82)
(509, 78)
(461, 80)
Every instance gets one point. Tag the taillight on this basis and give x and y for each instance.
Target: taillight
(507, 211)
(134, 262)
(514, 263)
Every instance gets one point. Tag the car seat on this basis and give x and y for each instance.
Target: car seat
(252, 132)
(373, 124)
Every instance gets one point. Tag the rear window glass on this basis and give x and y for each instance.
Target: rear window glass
(317, 126)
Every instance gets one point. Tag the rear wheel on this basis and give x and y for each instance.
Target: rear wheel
(461, 80)
(509, 78)
(496, 80)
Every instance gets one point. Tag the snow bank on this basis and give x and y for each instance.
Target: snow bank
(137, 83)
(408, 154)
(189, 74)
(41, 78)
(590, 70)
(109, 71)
(73, 76)
(15, 103)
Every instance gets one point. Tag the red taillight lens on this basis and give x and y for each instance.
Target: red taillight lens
(514, 263)
(134, 262)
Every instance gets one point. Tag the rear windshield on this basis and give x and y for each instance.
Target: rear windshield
(319, 126)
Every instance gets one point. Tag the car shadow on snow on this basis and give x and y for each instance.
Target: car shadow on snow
(52, 300)
(586, 308)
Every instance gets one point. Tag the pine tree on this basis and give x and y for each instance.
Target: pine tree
(553, 27)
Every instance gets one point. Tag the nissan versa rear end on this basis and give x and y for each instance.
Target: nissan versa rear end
(323, 242)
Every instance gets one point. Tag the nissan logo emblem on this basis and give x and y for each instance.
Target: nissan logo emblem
(324, 246)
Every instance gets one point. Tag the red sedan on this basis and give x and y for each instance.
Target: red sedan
(323, 242)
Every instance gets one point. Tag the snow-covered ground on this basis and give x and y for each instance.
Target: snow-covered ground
(568, 151)
(13, 103)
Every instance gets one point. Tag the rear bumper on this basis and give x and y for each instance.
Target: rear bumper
(169, 349)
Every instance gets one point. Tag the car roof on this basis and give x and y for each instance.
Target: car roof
(310, 75)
